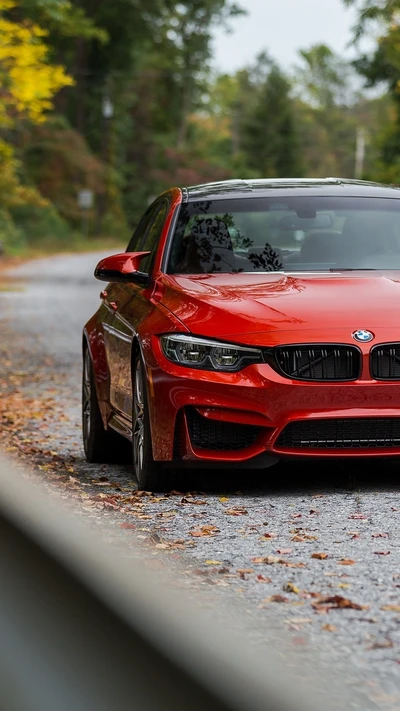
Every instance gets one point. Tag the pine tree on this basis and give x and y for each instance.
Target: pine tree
(270, 137)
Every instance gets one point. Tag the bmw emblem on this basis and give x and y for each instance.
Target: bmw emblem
(363, 336)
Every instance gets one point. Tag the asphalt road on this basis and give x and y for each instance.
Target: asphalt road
(300, 549)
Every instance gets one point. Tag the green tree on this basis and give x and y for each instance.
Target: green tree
(325, 89)
(382, 68)
(323, 79)
(270, 136)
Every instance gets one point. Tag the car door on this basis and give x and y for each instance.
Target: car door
(130, 307)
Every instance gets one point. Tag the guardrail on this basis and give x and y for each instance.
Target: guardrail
(83, 628)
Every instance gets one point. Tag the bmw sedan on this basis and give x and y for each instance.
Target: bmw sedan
(248, 322)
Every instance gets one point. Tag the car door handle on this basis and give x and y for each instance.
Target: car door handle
(113, 305)
(103, 295)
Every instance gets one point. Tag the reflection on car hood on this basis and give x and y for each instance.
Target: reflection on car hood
(235, 306)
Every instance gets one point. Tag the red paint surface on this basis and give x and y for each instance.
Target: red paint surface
(256, 310)
(125, 263)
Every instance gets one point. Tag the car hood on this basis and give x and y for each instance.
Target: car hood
(277, 307)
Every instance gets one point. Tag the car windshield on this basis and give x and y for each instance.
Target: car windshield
(299, 234)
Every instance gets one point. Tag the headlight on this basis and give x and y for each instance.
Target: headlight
(195, 352)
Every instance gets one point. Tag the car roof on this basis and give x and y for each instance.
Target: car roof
(280, 187)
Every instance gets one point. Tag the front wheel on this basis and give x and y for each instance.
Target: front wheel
(150, 475)
(100, 445)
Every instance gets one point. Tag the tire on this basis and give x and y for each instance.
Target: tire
(100, 445)
(150, 475)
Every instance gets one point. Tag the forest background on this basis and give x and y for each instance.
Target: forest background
(113, 102)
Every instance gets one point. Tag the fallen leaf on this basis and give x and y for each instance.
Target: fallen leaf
(300, 538)
(382, 552)
(284, 551)
(358, 516)
(197, 502)
(204, 531)
(338, 602)
(127, 525)
(276, 598)
(238, 511)
(292, 588)
(269, 559)
(262, 579)
(245, 571)
(329, 628)
(346, 561)
(319, 556)
(223, 499)
(213, 562)
(180, 545)
(380, 535)
(391, 608)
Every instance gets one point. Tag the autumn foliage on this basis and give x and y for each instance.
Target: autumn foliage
(119, 99)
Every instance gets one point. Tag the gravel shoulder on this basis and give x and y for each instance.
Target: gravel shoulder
(304, 555)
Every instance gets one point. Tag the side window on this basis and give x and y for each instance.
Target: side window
(141, 230)
(146, 236)
(149, 242)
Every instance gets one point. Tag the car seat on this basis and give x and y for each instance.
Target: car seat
(364, 236)
(320, 247)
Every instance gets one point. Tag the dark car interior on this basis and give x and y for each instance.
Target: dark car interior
(288, 242)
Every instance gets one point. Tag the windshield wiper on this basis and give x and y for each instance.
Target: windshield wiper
(353, 269)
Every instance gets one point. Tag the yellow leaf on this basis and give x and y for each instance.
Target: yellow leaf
(213, 562)
(291, 587)
(30, 79)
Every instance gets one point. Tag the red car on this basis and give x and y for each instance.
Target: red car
(249, 321)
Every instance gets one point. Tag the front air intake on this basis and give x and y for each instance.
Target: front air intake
(344, 433)
(218, 435)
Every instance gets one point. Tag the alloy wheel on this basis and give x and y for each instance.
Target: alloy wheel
(87, 396)
(138, 422)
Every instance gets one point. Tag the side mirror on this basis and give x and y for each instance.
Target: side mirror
(122, 268)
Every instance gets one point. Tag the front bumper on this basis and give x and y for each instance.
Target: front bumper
(260, 403)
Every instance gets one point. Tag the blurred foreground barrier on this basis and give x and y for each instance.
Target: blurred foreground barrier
(84, 628)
